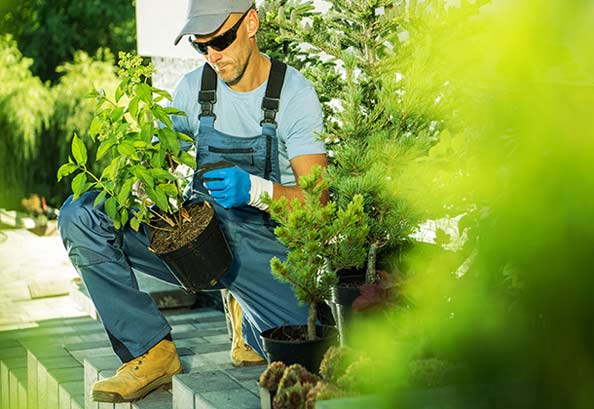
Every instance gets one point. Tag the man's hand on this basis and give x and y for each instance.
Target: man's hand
(230, 187)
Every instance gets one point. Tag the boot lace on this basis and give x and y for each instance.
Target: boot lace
(134, 364)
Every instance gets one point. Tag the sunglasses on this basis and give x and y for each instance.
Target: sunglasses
(221, 42)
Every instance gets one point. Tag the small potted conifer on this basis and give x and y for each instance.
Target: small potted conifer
(321, 239)
(140, 188)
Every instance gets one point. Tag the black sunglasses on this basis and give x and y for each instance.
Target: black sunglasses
(221, 42)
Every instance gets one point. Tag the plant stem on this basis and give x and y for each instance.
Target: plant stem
(371, 274)
(311, 321)
(165, 219)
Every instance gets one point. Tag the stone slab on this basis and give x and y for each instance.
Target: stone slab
(233, 399)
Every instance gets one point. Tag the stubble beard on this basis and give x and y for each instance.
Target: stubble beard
(237, 74)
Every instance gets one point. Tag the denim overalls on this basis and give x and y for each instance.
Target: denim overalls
(106, 258)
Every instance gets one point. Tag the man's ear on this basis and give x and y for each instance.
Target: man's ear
(253, 23)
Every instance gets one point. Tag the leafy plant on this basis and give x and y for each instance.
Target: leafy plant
(321, 239)
(124, 128)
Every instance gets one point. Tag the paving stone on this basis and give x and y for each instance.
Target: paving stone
(86, 345)
(217, 339)
(17, 377)
(246, 373)
(232, 399)
(6, 367)
(159, 399)
(69, 391)
(57, 377)
(47, 390)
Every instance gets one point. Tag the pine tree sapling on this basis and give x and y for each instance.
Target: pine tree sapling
(320, 238)
(138, 185)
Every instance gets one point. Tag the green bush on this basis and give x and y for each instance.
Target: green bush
(26, 106)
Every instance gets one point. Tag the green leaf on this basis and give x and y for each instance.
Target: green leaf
(117, 113)
(95, 127)
(111, 208)
(65, 170)
(110, 170)
(169, 138)
(146, 132)
(168, 188)
(187, 159)
(144, 175)
(163, 93)
(125, 191)
(104, 148)
(133, 107)
(124, 216)
(161, 174)
(100, 197)
(79, 150)
(135, 223)
(182, 136)
(144, 92)
(160, 199)
(79, 185)
(161, 115)
(126, 148)
(174, 111)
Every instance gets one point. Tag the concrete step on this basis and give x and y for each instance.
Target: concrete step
(56, 364)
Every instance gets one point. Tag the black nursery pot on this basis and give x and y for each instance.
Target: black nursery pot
(308, 353)
(200, 264)
(341, 301)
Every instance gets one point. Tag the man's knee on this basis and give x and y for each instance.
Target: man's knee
(77, 215)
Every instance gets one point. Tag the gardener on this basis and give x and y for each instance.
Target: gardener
(243, 108)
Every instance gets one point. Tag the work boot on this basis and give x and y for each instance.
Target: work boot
(241, 353)
(136, 378)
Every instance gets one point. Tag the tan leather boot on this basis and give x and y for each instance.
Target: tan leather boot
(136, 378)
(241, 353)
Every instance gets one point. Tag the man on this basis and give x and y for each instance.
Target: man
(243, 108)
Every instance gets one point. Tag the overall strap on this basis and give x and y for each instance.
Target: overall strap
(271, 101)
(207, 96)
(270, 106)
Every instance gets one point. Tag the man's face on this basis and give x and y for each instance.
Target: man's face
(230, 63)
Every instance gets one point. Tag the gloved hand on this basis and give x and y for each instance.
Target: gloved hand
(231, 187)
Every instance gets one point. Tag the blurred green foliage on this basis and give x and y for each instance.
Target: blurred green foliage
(26, 107)
(52, 31)
(511, 313)
(37, 121)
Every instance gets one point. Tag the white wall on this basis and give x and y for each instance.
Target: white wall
(157, 24)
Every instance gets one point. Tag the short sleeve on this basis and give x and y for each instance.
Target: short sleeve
(302, 121)
(182, 100)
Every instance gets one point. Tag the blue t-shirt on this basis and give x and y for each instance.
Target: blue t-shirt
(239, 114)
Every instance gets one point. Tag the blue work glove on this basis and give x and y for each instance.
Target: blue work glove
(231, 187)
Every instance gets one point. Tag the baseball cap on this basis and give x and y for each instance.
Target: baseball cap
(206, 16)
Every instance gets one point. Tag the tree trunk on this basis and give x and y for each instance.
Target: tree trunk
(371, 274)
(311, 321)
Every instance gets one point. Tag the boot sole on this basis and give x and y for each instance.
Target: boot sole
(241, 364)
(113, 397)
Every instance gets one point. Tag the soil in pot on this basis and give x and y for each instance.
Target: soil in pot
(166, 241)
(197, 254)
(290, 345)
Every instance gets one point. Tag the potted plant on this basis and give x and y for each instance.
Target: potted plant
(140, 187)
(320, 239)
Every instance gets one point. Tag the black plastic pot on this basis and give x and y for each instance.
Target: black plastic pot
(308, 353)
(341, 301)
(200, 264)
